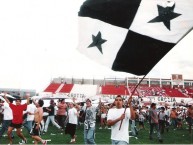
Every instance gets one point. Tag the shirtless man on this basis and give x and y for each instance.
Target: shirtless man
(38, 117)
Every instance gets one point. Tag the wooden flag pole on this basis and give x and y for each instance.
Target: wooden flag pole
(130, 98)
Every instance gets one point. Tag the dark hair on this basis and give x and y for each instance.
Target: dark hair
(18, 99)
(41, 102)
(30, 101)
(153, 104)
(89, 100)
(119, 96)
(61, 100)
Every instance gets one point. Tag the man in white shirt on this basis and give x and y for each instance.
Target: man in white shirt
(30, 116)
(7, 117)
(114, 117)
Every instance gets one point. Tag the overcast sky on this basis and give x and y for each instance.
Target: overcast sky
(38, 41)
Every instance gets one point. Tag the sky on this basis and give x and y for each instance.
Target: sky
(38, 41)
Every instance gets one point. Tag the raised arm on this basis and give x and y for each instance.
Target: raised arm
(7, 100)
(27, 97)
(34, 101)
(131, 109)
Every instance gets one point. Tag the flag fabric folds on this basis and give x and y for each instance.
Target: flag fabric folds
(132, 35)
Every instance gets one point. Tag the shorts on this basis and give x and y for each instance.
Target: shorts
(15, 125)
(34, 131)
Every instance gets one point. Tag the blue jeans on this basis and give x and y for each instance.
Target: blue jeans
(119, 142)
(89, 135)
(154, 125)
(28, 125)
(5, 126)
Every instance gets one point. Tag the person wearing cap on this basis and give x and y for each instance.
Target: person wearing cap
(119, 135)
(51, 116)
(89, 123)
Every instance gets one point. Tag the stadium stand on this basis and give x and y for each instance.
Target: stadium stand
(52, 87)
(66, 88)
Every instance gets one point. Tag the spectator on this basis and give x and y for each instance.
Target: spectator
(38, 117)
(61, 113)
(114, 117)
(154, 122)
(17, 118)
(51, 116)
(162, 120)
(7, 117)
(173, 117)
(30, 116)
(89, 123)
(72, 122)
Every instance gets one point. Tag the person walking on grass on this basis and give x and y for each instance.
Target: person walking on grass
(30, 116)
(114, 117)
(17, 118)
(61, 113)
(7, 117)
(51, 117)
(72, 122)
(36, 129)
(154, 122)
(89, 123)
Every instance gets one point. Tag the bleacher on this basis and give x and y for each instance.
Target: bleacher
(114, 90)
(174, 92)
(52, 87)
(120, 86)
(66, 88)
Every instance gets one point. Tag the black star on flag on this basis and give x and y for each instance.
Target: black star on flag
(134, 45)
(166, 14)
(97, 41)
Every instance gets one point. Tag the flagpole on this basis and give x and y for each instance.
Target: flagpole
(131, 97)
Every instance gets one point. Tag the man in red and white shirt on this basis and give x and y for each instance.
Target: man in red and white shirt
(17, 118)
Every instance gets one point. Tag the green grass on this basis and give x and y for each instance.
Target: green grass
(179, 136)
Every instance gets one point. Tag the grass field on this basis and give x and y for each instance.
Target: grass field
(179, 136)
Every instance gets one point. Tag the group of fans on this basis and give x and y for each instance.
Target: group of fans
(116, 116)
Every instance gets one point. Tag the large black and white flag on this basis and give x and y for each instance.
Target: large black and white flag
(132, 35)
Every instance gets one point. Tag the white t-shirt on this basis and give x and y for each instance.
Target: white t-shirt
(123, 133)
(72, 113)
(8, 114)
(30, 108)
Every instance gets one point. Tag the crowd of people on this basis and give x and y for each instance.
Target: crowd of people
(117, 116)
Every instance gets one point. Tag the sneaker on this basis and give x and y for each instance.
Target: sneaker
(44, 142)
(23, 141)
(100, 127)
